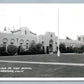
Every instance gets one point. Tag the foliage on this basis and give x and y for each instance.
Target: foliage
(11, 49)
(33, 49)
(3, 51)
(62, 48)
(36, 49)
(82, 48)
(69, 49)
(20, 50)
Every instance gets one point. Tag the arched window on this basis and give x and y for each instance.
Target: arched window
(12, 41)
(5, 40)
(79, 38)
(27, 41)
(21, 41)
(51, 41)
(27, 44)
(56, 43)
(42, 43)
(51, 35)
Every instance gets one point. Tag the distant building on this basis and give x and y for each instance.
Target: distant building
(50, 41)
(72, 43)
(80, 38)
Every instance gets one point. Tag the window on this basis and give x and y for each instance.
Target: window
(51, 41)
(25, 32)
(55, 42)
(51, 35)
(5, 40)
(79, 38)
(12, 41)
(27, 41)
(4, 43)
(42, 42)
(27, 44)
(21, 41)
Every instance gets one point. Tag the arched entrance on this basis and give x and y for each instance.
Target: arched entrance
(51, 45)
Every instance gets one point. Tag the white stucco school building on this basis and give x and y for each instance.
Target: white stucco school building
(22, 36)
(50, 41)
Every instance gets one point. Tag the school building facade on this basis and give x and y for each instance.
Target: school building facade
(24, 37)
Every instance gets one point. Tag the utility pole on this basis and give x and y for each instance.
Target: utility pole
(58, 51)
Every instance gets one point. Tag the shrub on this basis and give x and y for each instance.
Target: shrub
(3, 51)
(69, 49)
(75, 49)
(82, 48)
(21, 51)
(62, 48)
(78, 50)
(39, 49)
(35, 49)
(11, 49)
(47, 49)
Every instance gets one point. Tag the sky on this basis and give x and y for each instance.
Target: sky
(41, 18)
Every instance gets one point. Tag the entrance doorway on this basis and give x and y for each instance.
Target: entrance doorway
(51, 45)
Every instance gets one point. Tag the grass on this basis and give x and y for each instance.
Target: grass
(40, 70)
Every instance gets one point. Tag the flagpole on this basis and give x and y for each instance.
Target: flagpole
(58, 51)
(19, 21)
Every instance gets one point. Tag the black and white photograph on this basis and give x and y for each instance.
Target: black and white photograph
(41, 40)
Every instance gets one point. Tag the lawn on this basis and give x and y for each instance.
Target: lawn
(43, 70)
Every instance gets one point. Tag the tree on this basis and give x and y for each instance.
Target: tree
(69, 49)
(3, 51)
(82, 48)
(36, 49)
(62, 48)
(11, 49)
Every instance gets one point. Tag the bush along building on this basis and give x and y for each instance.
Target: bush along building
(23, 41)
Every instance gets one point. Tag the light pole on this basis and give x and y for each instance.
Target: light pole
(58, 51)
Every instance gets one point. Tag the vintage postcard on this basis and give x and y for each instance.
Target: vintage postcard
(41, 40)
